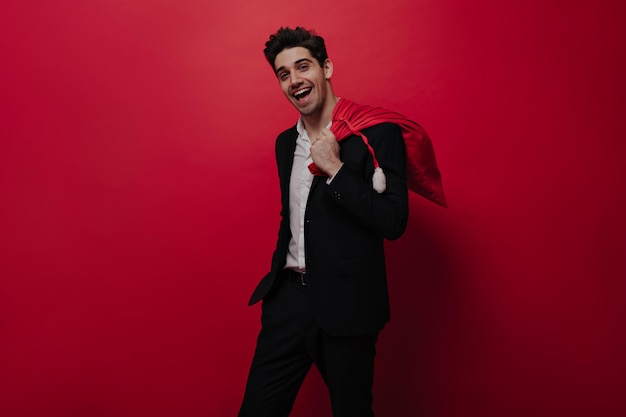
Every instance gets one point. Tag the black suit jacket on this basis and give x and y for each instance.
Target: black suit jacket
(346, 222)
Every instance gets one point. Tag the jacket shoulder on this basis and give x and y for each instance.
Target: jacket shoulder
(286, 134)
(286, 137)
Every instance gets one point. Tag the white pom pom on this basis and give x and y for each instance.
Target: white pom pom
(379, 181)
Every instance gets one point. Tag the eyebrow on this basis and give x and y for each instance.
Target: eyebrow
(295, 63)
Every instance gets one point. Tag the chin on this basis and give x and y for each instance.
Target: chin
(308, 110)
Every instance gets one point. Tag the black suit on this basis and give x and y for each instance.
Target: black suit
(346, 222)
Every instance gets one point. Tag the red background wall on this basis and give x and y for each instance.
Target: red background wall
(139, 203)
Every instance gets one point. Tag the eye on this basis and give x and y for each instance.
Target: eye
(304, 67)
(283, 76)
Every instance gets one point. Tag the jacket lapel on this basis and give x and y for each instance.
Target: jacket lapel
(316, 180)
(284, 153)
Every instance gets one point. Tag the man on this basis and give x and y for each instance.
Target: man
(325, 299)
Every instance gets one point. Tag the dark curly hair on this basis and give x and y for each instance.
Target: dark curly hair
(286, 38)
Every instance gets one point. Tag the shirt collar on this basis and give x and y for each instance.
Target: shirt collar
(300, 126)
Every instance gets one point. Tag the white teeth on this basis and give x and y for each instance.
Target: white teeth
(301, 92)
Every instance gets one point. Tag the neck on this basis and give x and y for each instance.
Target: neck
(314, 123)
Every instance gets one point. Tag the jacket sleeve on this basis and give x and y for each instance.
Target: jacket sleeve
(385, 213)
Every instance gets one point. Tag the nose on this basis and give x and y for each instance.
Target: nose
(294, 78)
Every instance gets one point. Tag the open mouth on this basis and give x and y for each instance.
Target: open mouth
(302, 93)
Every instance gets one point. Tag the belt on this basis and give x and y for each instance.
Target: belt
(296, 277)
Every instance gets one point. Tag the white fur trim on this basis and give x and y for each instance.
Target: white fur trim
(379, 181)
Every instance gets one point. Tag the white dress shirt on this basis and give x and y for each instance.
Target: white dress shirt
(299, 187)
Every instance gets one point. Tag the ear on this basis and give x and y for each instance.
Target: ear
(328, 68)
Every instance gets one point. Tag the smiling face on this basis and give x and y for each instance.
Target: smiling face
(304, 82)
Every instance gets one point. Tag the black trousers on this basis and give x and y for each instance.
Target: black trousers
(289, 343)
